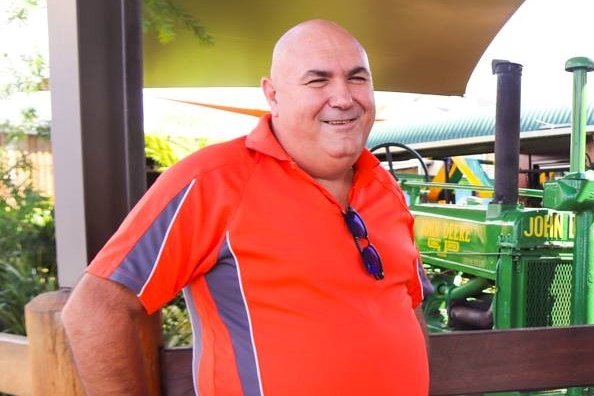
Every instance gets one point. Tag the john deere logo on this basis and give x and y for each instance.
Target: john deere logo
(550, 226)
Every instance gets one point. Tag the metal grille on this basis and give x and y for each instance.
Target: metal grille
(548, 293)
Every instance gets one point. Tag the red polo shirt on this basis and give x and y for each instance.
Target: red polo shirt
(279, 299)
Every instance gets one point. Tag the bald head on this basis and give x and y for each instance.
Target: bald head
(296, 41)
(321, 97)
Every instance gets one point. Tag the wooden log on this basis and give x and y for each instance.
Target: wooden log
(15, 376)
(52, 368)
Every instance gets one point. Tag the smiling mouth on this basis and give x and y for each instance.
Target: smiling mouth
(340, 122)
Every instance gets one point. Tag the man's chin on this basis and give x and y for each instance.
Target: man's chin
(346, 154)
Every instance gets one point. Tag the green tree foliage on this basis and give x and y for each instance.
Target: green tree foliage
(19, 10)
(30, 124)
(162, 17)
(165, 17)
(27, 244)
(165, 151)
(35, 79)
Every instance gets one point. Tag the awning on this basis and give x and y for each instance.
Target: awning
(542, 130)
(421, 46)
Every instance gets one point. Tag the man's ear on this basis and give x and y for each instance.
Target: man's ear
(270, 94)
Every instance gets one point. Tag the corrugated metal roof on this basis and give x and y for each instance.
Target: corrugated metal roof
(476, 129)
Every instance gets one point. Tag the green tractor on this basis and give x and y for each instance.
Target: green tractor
(503, 264)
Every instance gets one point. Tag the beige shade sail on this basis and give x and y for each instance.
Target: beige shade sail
(420, 46)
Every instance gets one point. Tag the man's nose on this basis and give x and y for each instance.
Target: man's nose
(341, 96)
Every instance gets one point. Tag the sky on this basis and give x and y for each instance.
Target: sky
(541, 36)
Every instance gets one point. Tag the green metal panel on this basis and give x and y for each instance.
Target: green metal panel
(523, 254)
(463, 238)
(548, 292)
(534, 290)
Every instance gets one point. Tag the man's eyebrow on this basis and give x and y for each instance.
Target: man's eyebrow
(358, 70)
(326, 74)
(316, 73)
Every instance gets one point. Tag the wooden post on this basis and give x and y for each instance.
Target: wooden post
(52, 368)
(97, 132)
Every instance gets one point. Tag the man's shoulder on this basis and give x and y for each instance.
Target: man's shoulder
(216, 156)
(208, 168)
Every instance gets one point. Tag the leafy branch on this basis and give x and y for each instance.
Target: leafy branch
(20, 10)
(165, 17)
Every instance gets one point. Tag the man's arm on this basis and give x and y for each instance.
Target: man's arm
(99, 319)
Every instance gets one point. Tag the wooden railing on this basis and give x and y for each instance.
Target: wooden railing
(469, 363)
(472, 362)
(508, 360)
(15, 375)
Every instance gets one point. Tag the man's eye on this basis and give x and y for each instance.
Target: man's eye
(358, 79)
(318, 82)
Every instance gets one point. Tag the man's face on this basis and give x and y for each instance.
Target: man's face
(321, 97)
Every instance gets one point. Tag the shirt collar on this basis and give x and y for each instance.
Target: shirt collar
(263, 140)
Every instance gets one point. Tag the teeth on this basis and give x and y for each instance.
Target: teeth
(338, 122)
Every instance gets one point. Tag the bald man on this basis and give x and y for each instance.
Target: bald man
(293, 247)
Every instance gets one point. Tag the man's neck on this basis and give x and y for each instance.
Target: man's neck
(339, 187)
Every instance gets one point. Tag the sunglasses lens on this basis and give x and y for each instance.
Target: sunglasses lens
(372, 262)
(355, 224)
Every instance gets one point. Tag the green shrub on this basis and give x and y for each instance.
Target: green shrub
(27, 245)
(165, 151)
(177, 329)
